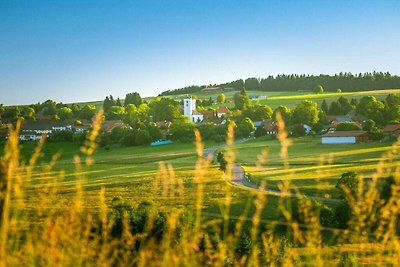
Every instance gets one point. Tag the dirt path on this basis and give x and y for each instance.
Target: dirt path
(239, 178)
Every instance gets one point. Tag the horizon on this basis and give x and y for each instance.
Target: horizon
(83, 52)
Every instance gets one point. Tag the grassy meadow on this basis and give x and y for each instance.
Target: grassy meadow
(314, 168)
(65, 204)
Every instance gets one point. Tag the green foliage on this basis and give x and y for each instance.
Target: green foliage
(143, 137)
(348, 180)
(61, 136)
(133, 98)
(242, 101)
(87, 112)
(372, 108)
(285, 112)
(319, 89)
(65, 113)
(222, 161)
(347, 126)
(165, 109)
(245, 127)
(115, 113)
(258, 112)
(221, 98)
(182, 131)
(306, 113)
(324, 106)
(154, 132)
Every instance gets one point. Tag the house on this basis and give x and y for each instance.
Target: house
(34, 130)
(392, 129)
(108, 126)
(270, 127)
(208, 114)
(197, 116)
(344, 137)
(222, 111)
(334, 120)
(189, 110)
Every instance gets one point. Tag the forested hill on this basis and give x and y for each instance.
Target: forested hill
(294, 82)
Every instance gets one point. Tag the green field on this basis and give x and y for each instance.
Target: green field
(314, 168)
(136, 174)
(291, 99)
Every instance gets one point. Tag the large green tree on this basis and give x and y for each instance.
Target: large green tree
(306, 113)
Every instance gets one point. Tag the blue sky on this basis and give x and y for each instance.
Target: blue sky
(73, 51)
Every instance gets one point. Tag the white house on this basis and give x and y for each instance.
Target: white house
(344, 137)
(222, 111)
(189, 110)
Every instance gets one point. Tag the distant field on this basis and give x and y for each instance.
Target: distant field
(275, 99)
(314, 168)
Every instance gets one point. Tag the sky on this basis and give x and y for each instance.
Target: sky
(75, 51)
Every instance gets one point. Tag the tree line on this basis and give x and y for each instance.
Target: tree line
(301, 82)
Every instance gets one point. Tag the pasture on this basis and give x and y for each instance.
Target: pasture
(165, 175)
(314, 169)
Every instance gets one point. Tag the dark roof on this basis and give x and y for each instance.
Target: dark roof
(391, 127)
(43, 125)
(344, 134)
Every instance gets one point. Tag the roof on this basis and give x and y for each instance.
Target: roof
(339, 118)
(195, 112)
(43, 125)
(391, 127)
(223, 109)
(344, 134)
(209, 113)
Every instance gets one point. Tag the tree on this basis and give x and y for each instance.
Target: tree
(29, 113)
(319, 89)
(87, 112)
(75, 110)
(142, 137)
(334, 108)
(258, 113)
(372, 108)
(65, 113)
(285, 112)
(133, 98)
(324, 106)
(182, 131)
(345, 106)
(107, 104)
(222, 161)
(338, 90)
(245, 127)
(242, 101)
(154, 132)
(115, 113)
(306, 113)
(165, 109)
(221, 98)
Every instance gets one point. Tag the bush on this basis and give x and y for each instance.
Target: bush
(142, 137)
(61, 136)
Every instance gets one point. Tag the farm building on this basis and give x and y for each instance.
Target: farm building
(222, 111)
(392, 129)
(344, 137)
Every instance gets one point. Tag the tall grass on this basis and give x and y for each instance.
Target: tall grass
(59, 230)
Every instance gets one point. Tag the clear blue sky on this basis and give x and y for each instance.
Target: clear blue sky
(84, 50)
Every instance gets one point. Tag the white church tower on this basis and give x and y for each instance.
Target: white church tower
(189, 105)
(189, 110)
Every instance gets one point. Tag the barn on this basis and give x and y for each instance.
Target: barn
(344, 137)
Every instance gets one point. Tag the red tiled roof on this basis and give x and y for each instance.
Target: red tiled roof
(223, 109)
